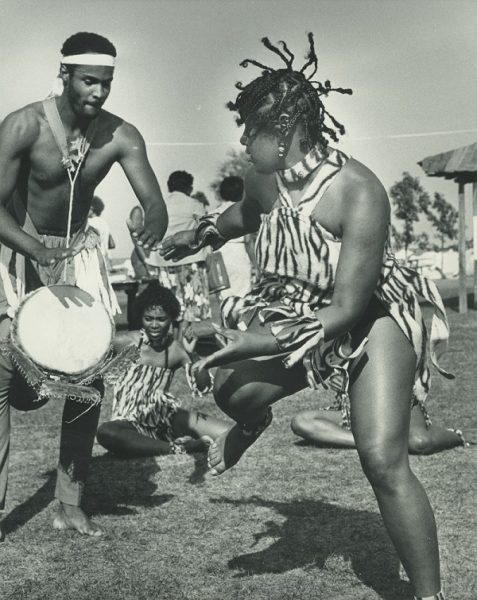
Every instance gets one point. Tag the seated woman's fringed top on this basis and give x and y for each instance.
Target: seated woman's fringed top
(298, 258)
(141, 396)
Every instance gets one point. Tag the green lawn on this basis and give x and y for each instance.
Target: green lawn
(290, 522)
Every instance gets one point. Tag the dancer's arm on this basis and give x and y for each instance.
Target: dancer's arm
(364, 224)
(239, 219)
(200, 381)
(135, 164)
(18, 132)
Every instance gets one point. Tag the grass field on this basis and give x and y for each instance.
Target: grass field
(290, 522)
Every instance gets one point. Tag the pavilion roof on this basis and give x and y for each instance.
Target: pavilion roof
(459, 164)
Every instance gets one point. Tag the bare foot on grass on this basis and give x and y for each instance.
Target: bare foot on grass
(73, 517)
(470, 436)
(2, 532)
(226, 450)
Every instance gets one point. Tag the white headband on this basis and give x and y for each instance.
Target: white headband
(90, 58)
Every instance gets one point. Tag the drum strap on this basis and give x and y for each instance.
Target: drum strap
(72, 157)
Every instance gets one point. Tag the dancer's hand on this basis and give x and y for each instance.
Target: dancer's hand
(178, 246)
(237, 345)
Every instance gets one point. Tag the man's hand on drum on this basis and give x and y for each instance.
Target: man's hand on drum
(237, 345)
(47, 257)
(178, 246)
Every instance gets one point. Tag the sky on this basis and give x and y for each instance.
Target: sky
(412, 66)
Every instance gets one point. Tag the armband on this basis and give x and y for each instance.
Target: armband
(207, 233)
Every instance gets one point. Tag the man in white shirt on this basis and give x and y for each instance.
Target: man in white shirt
(237, 253)
(186, 277)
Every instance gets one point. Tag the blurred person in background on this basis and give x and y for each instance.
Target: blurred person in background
(99, 223)
(238, 253)
(186, 277)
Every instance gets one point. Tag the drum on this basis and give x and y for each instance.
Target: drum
(63, 330)
(61, 340)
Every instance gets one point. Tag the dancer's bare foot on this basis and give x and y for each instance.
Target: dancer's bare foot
(73, 517)
(226, 450)
(470, 436)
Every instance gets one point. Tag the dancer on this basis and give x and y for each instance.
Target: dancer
(53, 154)
(146, 419)
(332, 304)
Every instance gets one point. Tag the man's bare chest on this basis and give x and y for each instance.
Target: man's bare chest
(45, 165)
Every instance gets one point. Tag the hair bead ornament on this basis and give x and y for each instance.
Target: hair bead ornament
(285, 91)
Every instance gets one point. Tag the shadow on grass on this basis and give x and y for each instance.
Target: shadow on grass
(315, 531)
(112, 484)
(119, 481)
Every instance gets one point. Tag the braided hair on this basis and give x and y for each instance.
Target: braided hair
(281, 98)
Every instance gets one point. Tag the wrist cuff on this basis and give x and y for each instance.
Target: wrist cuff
(207, 233)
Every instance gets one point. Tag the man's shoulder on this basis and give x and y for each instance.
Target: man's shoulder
(176, 197)
(118, 124)
(24, 123)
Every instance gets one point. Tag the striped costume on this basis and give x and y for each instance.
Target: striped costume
(298, 260)
(141, 397)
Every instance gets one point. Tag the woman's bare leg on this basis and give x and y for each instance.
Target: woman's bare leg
(121, 437)
(323, 427)
(245, 390)
(381, 388)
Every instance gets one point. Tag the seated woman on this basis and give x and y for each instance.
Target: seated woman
(146, 419)
(330, 428)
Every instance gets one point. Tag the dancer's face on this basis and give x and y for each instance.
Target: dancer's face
(87, 88)
(262, 147)
(156, 323)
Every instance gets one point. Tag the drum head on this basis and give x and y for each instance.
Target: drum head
(63, 329)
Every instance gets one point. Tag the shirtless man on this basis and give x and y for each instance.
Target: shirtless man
(35, 193)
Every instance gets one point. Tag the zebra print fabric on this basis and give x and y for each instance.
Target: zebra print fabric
(297, 258)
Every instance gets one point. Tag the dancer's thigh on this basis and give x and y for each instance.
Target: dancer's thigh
(264, 380)
(382, 379)
(260, 381)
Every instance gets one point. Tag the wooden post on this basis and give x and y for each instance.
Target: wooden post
(474, 224)
(462, 273)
